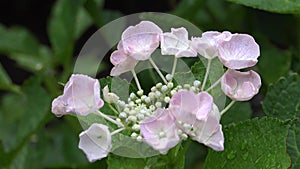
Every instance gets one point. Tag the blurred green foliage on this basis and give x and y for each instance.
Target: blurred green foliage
(31, 137)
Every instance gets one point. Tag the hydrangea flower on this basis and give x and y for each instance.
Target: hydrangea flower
(122, 62)
(81, 96)
(187, 107)
(241, 86)
(176, 43)
(207, 44)
(160, 131)
(239, 51)
(95, 142)
(141, 40)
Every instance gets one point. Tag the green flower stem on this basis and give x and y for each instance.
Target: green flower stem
(214, 85)
(113, 109)
(117, 131)
(183, 151)
(110, 119)
(227, 107)
(136, 79)
(206, 74)
(174, 66)
(158, 71)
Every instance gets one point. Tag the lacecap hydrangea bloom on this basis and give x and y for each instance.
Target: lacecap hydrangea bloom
(170, 113)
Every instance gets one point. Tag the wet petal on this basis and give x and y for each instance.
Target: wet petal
(239, 52)
(95, 142)
(241, 86)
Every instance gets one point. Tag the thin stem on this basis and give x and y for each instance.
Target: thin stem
(110, 119)
(158, 71)
(117, 131)
(227, 107)
(174, 66)
(206, 74)
(113, 109)
(184, 150)
(136, 79)
(214, 85)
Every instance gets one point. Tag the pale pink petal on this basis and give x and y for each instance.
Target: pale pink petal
(127, 65)
(160, 131)
(141, 40)
(187, 101)
(207, 44)
(209, 131)
(95, 142)
(176, 43)
(81, 96)
(241, 86)
(118, 57)
(205, 102)
(216, 141)
(240, 51)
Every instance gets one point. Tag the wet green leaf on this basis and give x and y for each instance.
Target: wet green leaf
(256, 143)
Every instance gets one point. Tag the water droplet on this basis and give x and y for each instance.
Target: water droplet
(231, 155)
(245, 156)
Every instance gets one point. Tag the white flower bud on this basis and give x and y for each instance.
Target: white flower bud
(151, 95)
(193, 88)
(122, 115)
(121, 103)
(140, 92)
(173, 92)
(131, 104)
(134, 135)
(139, 138)
(118, 120)
(138, 101)
(158, 85)
(167, 99)
(126, 110)
(147, 100)
(164, 88)
(143, 97)
(132, 112)
(170, 85)
(187, 86)
(169, 77)
(136, 127)
(183, 136)
(157, 94)
(131, 118)
(132, 96)
(187, 126)
(158, 104)
(153, 89)
(152, 107)
(197, 83)
(140, 116)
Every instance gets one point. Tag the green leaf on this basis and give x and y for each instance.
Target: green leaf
(117, 162)
(52, 147)
(256, 143)
(280, 58)
(5, 81)
(21, 46)
(282, 99)
(62, 29)
(21, 114)
(276, 6)
(293, 144)
(240, 111)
